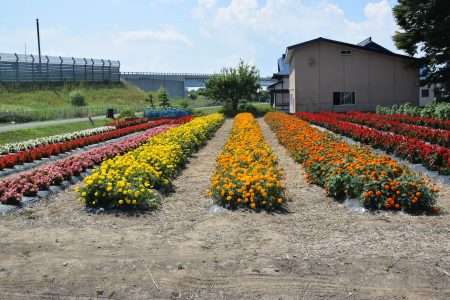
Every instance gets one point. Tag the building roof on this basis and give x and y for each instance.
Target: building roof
(366, 45)
(283, 68)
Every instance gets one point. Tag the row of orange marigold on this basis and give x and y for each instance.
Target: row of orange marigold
(247, 172)
(352, 171)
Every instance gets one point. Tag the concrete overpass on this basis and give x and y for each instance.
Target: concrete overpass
(176, 84)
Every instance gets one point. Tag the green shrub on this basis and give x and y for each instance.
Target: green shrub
(127, 114)
(257, 111)
(431, 110)
(184, 104)
(77, 98)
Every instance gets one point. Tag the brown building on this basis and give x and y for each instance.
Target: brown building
(327, 75)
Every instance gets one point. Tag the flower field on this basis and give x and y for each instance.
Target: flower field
(247, 172)
(381, 122)
(352, 171)
(127, 181)
(420, 121)
(123, 123)
(415, 150)
(28, 184)
(29, 155)
(21, 146)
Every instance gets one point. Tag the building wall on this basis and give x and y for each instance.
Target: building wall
(319, 69)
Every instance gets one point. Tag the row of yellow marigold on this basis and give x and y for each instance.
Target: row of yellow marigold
(351, 171)
(127, 180)
(247, 172)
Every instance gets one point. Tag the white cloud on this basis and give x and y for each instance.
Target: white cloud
(250, 24)
(138, 50)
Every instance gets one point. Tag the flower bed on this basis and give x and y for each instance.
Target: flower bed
(247, 172)
(433, 157)
(434, 136)
(21, 146)
(167, 112)
(344, 170)
(127, 181)
(28, 184)
(420, 121)
(124, 123)
(12, 159)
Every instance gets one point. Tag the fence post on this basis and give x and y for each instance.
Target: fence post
(118, 71)
(85, 66)
(32, 67)
(73, 68)
(61, 68)
(17, 67)
(0, 69)
(103, 70)
(92, 69)
(48, 60)
(109, 68)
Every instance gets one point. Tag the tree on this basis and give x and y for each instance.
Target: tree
(163, 98)
(426, 28)
(234, 84)
(150, 99)
(193, 95)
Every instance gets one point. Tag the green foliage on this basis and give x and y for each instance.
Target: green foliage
(425, 27)
(431, 110)
(234, 85)
(257, 111)
(77, 98)
(193, 95)
(127, 114)
(149, 99)
(184, 104)
(18, 135)
(163, 98)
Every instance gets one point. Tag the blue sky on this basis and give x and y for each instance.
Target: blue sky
(196, 36)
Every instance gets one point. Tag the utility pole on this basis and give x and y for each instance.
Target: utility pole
(39, 41)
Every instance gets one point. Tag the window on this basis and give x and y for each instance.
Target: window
(343, 98)
(346, 52)
(425, 93)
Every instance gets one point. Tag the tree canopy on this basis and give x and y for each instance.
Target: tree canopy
(234, 84)
(426, 28)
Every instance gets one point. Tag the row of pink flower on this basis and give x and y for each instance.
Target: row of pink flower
(28, 184)
(29, 155)
(385, 123)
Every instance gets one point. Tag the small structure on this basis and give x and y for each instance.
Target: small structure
(328, 75)
(426, 94)
(279, 91)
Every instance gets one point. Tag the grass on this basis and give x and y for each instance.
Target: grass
(11, 136)
(58, 97)
(208, 111)
(24, 103)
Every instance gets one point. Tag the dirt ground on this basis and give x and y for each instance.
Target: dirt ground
(318, 249)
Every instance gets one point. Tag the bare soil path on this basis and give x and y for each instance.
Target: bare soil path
(318, 249)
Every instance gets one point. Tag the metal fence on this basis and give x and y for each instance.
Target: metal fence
(26, 68)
